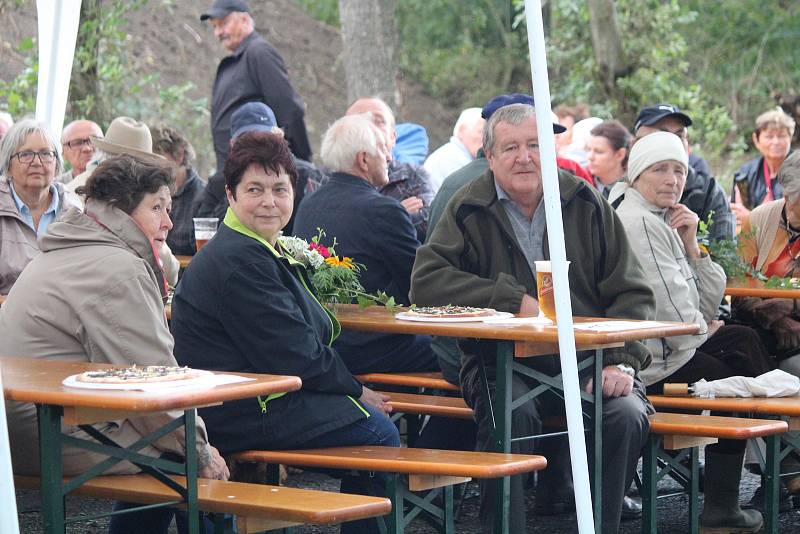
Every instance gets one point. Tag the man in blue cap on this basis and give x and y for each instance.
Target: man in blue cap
(254, 71)
(258, 117)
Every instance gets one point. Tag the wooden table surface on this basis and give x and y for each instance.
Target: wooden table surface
(380, 319)
(754, 288)
(39, 381)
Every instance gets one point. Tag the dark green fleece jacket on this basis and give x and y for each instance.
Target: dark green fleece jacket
(473, 259)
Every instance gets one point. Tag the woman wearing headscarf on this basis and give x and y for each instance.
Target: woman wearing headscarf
(30, 198)
(96, 293)
(688, 288)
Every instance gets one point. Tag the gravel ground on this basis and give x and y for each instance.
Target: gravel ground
(673, 512)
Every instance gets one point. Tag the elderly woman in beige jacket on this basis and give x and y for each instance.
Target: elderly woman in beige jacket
(96, 293)
(30, 198)
(688, 288)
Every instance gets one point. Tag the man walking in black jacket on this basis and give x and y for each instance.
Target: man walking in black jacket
(254, 71)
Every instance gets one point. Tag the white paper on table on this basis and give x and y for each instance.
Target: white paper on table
(201, 382)
(775, 383)
(618, 326)
(515, 321)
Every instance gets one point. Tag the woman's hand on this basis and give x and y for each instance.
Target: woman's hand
(217, 468)
(713, 326)
(412, 205)
(377, 400)
(742, 214)
(685, 221)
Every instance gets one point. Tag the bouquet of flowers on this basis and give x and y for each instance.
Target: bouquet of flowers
(335, 278)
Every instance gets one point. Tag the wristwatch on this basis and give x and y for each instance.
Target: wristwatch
(627, 369)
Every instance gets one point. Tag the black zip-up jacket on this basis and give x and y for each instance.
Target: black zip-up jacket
(749, 186)
(256, 73)
(240, 307)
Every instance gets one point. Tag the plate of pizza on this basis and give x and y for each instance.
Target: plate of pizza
(450, 314)
(140, 377)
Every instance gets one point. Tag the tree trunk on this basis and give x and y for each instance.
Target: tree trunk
(85, 81)
(368, 37)
(607, 44)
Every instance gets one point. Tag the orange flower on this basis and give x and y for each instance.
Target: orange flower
(345, 262)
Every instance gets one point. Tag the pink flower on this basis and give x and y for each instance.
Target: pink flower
(322, 249)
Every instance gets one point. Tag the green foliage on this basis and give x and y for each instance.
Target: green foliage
(326, 11)
(107, 81)
(19, 93)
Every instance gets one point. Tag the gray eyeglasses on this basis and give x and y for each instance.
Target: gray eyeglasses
(26, 156)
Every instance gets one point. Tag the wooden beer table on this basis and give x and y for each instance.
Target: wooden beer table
(516, 342)
(40, 382)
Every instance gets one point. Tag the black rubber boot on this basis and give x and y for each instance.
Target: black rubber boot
(721, 513)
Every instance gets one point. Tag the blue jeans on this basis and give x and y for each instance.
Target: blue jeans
(377, 429)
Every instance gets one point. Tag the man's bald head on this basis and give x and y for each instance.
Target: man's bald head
(76, 143)
(382, 116)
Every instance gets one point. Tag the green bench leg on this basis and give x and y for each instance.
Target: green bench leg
(649, 485)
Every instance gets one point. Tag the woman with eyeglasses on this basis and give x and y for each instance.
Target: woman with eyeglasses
(30, 199)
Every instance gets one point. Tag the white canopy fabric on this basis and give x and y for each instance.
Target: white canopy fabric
(58, 31)
(8, 500)
(775, 383)
(558, 258)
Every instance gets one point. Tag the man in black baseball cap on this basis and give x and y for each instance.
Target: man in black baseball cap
(701, 194)
(653, 114)
(222, 8)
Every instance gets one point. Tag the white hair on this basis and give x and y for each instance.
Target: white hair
(468, 116)
(347, 137)
(16, 136)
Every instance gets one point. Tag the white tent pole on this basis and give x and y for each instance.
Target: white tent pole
(58, 31)
(8, 500)
(555, 236)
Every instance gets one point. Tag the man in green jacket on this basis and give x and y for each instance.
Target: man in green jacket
(482, 253)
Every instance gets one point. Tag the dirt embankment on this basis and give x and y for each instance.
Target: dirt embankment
(168, 38)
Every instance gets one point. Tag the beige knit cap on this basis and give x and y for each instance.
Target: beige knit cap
(655, 148)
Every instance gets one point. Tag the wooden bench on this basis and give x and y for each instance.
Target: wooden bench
(417, 404)
(432, 470)
(686, 433)
(668, 432)
(414, 380)
(257, 507)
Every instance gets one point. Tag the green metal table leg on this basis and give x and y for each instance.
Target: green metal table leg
(694, 490)
(770, 481)
(502, 432)
(193, 517)
(395, 522)
(650, 485)
(51, 468)
(597, 481)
